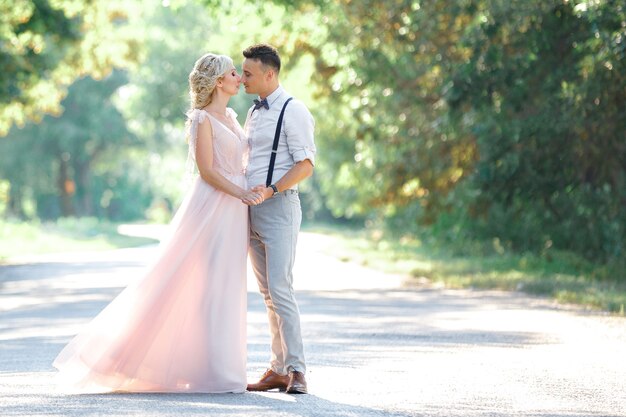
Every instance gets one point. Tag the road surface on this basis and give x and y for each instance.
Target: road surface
(375, 346)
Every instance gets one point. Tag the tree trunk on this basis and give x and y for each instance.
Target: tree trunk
(14, 206)
(66, 187)
(83, 177)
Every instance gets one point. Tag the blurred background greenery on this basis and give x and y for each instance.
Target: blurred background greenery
(479, 127)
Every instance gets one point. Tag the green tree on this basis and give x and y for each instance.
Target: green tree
(53, 161)
(544, 92)
(381, 69)
(46, 45)
(506, 112)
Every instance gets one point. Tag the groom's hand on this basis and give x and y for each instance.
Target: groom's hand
(264, 191)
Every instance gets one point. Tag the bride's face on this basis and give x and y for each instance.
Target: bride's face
(231, 82)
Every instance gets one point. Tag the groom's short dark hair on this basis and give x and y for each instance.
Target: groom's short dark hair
(267, 54)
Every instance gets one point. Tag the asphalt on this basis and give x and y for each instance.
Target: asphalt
(375, 346)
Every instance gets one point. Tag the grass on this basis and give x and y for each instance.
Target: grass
(64, 235)
(484, 265)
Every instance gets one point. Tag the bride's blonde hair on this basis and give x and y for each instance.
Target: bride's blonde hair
(203, 78)
(207, 71)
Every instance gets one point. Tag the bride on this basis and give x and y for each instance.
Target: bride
(182, 326)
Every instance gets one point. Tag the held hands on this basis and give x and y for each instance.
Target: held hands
(252, 197)
(266, 192)
(257, 195)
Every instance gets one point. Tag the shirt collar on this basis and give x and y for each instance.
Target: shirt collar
(275, 95)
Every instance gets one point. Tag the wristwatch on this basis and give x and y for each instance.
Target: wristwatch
(273, 187)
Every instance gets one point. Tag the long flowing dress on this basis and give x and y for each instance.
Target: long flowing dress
(182, 326)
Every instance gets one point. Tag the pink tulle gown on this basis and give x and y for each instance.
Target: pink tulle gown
(182, 326)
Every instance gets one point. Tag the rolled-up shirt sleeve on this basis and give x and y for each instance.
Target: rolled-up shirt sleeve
(299, 128)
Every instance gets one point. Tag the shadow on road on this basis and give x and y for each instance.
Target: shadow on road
(386, 351)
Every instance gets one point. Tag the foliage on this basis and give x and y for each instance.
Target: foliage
(54, 160)
(380, 68)
(490, 119)
(46, 45)
(544, 93)
(505, 115)
(113, 133)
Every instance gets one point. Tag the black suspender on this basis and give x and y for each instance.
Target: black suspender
(270, 171)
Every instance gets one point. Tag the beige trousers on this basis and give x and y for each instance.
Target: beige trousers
(274, 227)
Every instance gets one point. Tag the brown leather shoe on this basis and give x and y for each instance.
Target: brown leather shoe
(297, 383)
(270, 380)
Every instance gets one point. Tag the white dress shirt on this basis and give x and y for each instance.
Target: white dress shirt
(296, 137)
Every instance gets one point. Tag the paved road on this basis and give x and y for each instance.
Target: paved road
(374, 346)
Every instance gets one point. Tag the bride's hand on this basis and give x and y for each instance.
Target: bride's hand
(252, 198)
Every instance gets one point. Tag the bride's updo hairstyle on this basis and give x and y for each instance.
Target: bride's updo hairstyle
(203, 78)
(206, 72)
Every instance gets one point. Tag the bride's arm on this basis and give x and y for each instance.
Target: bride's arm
(204, 159)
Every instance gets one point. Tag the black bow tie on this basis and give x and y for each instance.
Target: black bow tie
(262, 103)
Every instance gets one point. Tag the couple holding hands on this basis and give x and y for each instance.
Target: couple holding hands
(181, 327)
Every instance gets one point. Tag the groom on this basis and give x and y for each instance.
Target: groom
(274, 224)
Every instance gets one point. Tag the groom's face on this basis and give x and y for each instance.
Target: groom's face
(254, 76)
